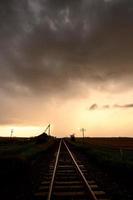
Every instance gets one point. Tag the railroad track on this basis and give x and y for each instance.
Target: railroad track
(67, 179)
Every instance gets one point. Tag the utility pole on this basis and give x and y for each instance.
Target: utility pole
(12, 131)
(83, 132)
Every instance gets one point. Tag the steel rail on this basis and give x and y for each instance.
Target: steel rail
(91, 194)
(54, 172)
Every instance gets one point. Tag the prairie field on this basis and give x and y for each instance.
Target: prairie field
(111, 152)
(114, 143)
(110, 160)
(18, 156)
(23, 148)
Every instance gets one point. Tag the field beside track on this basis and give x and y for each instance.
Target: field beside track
(23, 148)
(111, 161)
(113, 152)
(18, 157)
(113, 142)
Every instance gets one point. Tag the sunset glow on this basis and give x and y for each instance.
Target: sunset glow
(71, 115)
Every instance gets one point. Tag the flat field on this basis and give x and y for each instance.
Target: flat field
(110, 160)
(112, 151)
(18, 158)
(22, 147)
(114, 143)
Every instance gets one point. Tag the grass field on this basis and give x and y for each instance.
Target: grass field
(17, 159)
(114, 143)
(111, 152)
(110, 161)
(22, 147)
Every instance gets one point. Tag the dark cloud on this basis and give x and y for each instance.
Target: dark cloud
(49, 47)
(106, 106)
(47, 44)
(97, 107)
(123, 106)
(93, 107)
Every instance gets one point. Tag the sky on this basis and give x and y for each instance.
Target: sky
(68, 63)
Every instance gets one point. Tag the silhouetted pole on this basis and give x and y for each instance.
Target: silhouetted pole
(12, 130)
(83, 132)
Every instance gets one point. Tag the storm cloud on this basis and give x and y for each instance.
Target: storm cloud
(47, 45)
(53, 48)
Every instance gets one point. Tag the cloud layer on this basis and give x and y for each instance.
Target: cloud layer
(46, 45)
(52, 48)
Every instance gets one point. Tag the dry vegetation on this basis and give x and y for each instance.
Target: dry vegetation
(110, 161)
(114, 143)
(17, 158)
(111, 152)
